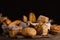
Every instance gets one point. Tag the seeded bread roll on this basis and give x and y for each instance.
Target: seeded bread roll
(42, 29)
(38, 29)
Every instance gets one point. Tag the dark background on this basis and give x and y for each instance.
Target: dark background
(15, 9)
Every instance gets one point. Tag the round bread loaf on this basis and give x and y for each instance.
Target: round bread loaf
(28, 31)
(55, 29)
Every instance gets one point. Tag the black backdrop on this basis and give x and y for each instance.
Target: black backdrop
(15, 9)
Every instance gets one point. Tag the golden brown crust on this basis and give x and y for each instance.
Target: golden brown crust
(32, 17)
(55, 28)
(16, 22)
(43, 18)
(8, 21)
(29, 32)
(38, 29)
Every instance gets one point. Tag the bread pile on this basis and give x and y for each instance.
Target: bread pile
(31, 27)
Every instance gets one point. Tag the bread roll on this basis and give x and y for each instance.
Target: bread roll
(55, 28)
(29, 32)
(38, 29)
(13, 32)
(44, 29)
(43, 18)
(32, 17)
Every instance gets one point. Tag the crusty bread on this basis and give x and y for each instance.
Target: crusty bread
(28, 31)
(13, 32)
(32, 17)
(16, 22)
(43, 18)
(45, 29)
(38, 29)
(42, 30)
(55, 28)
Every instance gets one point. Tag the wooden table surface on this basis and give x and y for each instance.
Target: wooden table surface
(51, 37)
